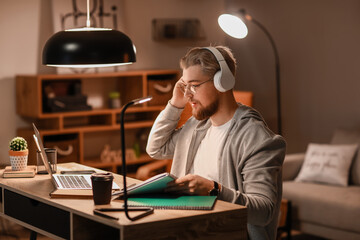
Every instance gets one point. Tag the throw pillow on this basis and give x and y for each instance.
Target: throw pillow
(327, 164)
(342, 136)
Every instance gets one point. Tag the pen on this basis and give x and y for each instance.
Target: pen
(97, 212)
(148, 211)
(122, 209)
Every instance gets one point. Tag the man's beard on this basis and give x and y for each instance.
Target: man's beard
(206, 112)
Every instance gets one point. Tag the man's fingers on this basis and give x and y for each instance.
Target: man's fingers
(186, 178)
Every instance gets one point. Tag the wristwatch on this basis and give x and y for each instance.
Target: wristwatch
(215, 191)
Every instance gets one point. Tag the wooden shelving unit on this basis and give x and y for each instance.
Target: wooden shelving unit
(88, 131)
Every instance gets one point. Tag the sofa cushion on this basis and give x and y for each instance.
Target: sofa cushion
(292, 165)
(325, 205)
(341, 136)
(325, 163)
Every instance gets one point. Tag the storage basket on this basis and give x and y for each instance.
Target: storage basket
(67, 147)
(161, 91)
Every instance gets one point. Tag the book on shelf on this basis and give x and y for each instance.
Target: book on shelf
(29, 172)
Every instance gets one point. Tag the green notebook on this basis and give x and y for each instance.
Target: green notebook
(173, 202)
(156, 184)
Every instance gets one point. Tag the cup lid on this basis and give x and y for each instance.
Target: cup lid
(102, 176)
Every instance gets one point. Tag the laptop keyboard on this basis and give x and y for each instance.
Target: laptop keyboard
(78, 182)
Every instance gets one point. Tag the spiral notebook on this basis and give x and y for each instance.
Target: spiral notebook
(156, 184)
(174, 202)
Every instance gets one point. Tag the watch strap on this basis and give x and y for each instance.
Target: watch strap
(215, 191)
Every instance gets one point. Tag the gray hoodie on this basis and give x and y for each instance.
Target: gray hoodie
(250, 161)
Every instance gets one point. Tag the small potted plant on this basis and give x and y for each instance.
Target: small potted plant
(18, 154)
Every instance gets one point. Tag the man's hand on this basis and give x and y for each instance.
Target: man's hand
(178, 99)
(191, 184)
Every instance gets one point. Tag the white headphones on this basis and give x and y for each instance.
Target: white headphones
(224, 80)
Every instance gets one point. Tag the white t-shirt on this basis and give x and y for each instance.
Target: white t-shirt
(207, 156)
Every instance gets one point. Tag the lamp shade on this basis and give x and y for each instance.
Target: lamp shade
(233, 26)
(88, 47)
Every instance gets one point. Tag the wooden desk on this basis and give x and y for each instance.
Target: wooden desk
(26, 201)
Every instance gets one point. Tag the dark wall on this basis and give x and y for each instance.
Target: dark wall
(318, 45)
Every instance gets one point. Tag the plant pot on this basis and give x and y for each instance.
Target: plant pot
(18, 159)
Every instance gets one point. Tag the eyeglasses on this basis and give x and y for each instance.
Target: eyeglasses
(190, 87)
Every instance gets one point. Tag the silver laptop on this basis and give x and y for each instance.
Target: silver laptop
(63, 181)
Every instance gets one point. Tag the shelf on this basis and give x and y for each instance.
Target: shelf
(113, 166)
(89, 131)
(143, 72)
(144, 158)
(101, 112)
(97, 128)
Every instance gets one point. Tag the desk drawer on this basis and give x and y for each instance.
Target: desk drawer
(37, 214)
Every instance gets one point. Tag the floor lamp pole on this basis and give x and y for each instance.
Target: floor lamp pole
(277, 69)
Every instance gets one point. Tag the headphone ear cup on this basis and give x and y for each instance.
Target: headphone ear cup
(217, 80)
(224, 80)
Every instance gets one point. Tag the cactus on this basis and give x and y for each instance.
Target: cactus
(18, 144)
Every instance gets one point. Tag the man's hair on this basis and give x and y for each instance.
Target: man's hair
(207, 60)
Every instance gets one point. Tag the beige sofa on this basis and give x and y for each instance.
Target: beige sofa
(323, 210)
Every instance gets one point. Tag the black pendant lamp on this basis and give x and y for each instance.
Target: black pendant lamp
(88, 47)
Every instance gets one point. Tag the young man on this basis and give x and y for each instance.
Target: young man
(225, 148)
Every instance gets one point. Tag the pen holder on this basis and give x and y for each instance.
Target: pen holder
(101, 187)
(52, 158)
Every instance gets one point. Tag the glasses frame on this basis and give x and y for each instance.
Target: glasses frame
(192, 87)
